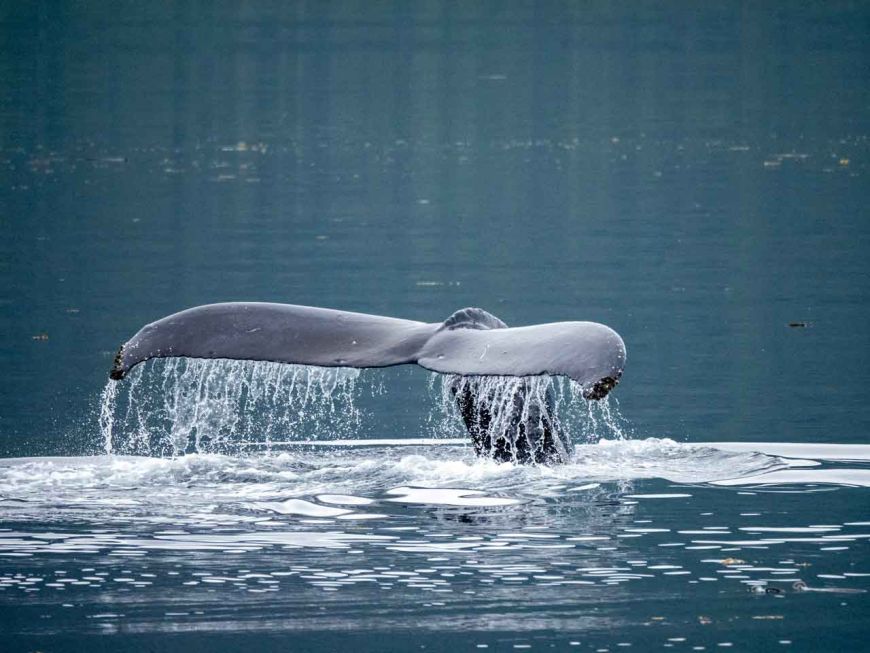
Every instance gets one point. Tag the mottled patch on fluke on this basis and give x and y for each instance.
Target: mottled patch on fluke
(117, 372)
(600, 389)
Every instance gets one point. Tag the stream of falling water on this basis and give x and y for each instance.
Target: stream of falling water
(177, 405)
(107, 413)
(534, 399)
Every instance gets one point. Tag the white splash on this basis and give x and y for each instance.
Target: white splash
(177, 405)
(107, 413)
(297, 507)
(446, 497)
(531, 399)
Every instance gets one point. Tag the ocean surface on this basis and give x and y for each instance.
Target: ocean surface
(694, 175)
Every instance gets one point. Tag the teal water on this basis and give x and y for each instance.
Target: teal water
(693, 176)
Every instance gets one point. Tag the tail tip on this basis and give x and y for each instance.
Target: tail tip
(601, 388)
(117, 372)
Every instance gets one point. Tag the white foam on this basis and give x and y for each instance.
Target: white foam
(199, 489)
(447, 497)
(344, 499)
(297, 507)
(368, 442)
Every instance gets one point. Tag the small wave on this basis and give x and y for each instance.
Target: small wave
(667, 459)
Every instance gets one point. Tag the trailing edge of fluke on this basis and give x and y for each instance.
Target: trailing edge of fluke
(470, 342)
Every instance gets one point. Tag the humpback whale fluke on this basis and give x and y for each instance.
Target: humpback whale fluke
(469, 343)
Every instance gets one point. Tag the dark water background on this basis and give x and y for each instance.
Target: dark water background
(692, 174)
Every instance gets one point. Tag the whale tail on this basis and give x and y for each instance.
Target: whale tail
(471, 343)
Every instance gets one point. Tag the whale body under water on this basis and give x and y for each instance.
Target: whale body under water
(471, 344)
